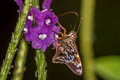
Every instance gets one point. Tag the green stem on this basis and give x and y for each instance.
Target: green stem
(35, 3)
(20, 61)
(40, 57)
(86, 34)
(14, 42)
(41, 64)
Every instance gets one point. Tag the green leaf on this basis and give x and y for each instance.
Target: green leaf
(108, 67)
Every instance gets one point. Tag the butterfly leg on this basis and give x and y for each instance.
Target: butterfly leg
(59, 38)
(58, 44)
(62, 28)
(62, 34)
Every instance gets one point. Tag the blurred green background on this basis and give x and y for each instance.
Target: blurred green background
(106, 34)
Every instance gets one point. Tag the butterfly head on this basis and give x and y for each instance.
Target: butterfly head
(72, 35)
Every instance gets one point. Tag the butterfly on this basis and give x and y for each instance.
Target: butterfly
(67, 53)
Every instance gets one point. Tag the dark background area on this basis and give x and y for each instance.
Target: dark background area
(106, 34)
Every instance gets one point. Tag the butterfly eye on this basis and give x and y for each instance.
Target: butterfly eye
(72, 35)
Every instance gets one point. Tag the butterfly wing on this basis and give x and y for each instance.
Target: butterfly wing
(75, 63)
(67, 54)
(59, 57)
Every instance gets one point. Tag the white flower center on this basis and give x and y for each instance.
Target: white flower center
(30, 18)
(48, 21)
(42, 36)
(25, 30)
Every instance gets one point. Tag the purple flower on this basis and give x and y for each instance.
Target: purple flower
(20, 4)
(41, 39)
(54, 34)
(48, 18)
(46, 4)
(40, 28)
(31, 22)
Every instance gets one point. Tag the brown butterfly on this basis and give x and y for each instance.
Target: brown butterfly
(67, 53)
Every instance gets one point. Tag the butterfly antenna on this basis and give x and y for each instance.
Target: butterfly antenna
(71, 12)
(79, 25)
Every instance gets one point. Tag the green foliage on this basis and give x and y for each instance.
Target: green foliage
(108, 67)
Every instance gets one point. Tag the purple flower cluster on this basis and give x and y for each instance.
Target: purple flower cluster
(40, 28)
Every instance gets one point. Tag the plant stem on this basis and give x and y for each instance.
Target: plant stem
(35, 3)
(14, 42)
(86, 34)
(41, 64)
(20, 61)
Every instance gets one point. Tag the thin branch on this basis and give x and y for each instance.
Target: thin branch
(14, 42)
(20, 61)
(86, 36)
(41, 64)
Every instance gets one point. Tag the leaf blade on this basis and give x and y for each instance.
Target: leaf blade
(108, 67)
